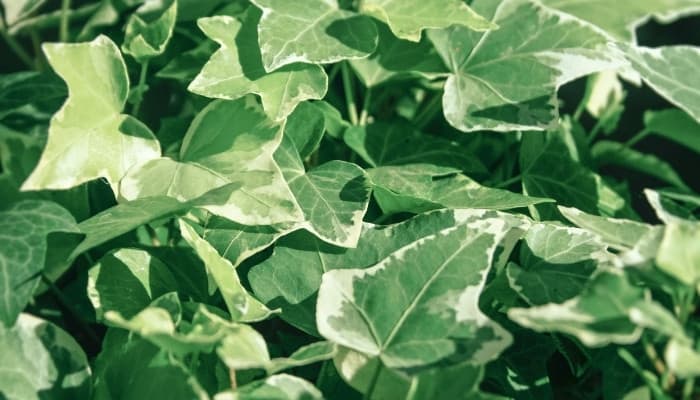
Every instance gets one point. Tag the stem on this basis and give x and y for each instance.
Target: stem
(153, 234)
(63, 27)
(38, 55)
(596, 130)
(333, 72)
(688, 387)
(373, 382)
(17, 48)
(365, 107)
(428, 112)
(232, 377)
(142, 82)
(349, 94)
(68, 305)
(321, 379)
(636, 138)
(508, 182)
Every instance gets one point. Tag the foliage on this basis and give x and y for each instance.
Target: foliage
(381, 199)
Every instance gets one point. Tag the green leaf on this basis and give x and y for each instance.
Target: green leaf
(45, 92)
(14, 11)
(333, 196)
(623, 18)
(226, 166)
(312, 31)
(408, 18)
(275, 387)
(441, 277)
(422, 187)
(88, 137)
(556, 263)
(675, 125)
(607, 152)
(124, 218)
(24, 228)
(507, 79)
(399, 143)
(186, 66)
(679, 252)
(149, 29)
(549, 170)
(306, 126)
(315, 352)
(240, 304)
(396, 58)
(605, 312)
(41, 360)
(670, 72)
(236, 69)
(682, 359)
(126, 281)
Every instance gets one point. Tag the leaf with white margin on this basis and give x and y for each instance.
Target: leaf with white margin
(434, 286)
(333, 196)
(241, 305)
(556, 263)
(418, 188)
(42, 361)
(89, 138)
(682, 359)
(672, 72)
(149, 29)
(236, 69)
(506, 79)
(24, 228)
(667, 210)
(275, 387)
(279, 282)
(408, 18)
(312, 31)
(624, 17)
(679, 252)
(609, 310)
(226, 167)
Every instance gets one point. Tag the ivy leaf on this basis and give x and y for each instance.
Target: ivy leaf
(674, 125)
(679, 252)
(41, 359)
(17, 10)
(422, 187)
(669, 71)
(441, 278)
(622, 20)
(507, 79)
(24, 228)
(240, 304)
(306, 126)
(226, 166)
(275, 387)
(312, 31)
(408, 19)
(149, 29)
(236, 69)
(88, 137)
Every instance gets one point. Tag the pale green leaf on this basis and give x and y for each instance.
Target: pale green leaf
(88, 137)
(126, 281)
(40, 361)
(149, 29)
(312, 353)
(506, 79)
(275, 387)
(226, 166)
(422, 187)
(24, 228)
(622, 18)
(682, 359)
(675, 125)
(408, 18)
(440, 278)
(14, 11)
(606, 152)
(312, 31)
(601, 314)
(241, 305)
(679, 252)
(671, 72)
(236, 69)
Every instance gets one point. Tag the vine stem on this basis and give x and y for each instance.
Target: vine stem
(373, 382)
(509, 182)
(428, 112)
(365, 107)
(63, 27)
(142, 82)
(17, 48)
(636, 138)
(68, 305)
(349, 93)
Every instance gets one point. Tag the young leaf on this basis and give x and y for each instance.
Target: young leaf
(24, 228)
(675, 125)
(670, 72)
(441, 277)
(88, 137)
(312, 31)
(507, 79)
(149, 29)
(408, 18)
(236, 69)
(42, 360)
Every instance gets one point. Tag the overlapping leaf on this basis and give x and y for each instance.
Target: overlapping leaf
(88, 137)
(149, 29)
(506, 79)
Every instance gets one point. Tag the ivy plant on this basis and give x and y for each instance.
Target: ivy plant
(345, 199)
